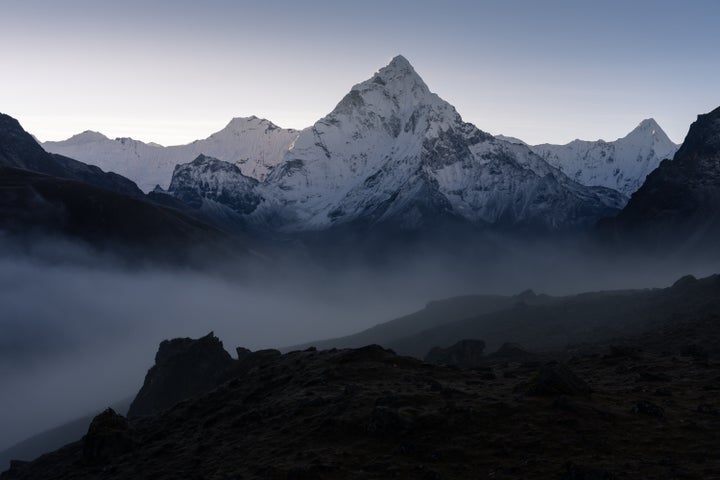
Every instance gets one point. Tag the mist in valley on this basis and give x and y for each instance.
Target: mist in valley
(80, 328)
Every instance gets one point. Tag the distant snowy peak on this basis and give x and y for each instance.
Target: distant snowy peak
(254, 144)
(240, 126)
(622, 164)
(88, 136)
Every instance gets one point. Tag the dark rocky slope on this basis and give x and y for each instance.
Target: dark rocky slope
(435, 314)
(643, 408)
(54, 438)
(36, 205)
(539, 322)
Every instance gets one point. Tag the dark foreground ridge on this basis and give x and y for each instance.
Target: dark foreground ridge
(641, 407)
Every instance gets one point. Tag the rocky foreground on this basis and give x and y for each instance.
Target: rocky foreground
(645, 407)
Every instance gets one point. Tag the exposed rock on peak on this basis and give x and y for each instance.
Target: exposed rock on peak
(209, 180)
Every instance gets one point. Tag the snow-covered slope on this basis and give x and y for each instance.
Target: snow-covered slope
(622, 164)
(394, 153)
(255, 145)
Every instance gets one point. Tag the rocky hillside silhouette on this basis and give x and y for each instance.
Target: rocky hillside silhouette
(642, 406)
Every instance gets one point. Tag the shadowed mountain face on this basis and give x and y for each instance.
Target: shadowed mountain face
(678, 207)
(36, 204)
(18, 149)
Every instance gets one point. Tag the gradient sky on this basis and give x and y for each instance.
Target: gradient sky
(175, 71)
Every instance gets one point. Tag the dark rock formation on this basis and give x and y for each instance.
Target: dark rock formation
(183, 368)
(465, 353)
(108, 437)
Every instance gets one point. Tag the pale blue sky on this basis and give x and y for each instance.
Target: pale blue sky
(174, 71)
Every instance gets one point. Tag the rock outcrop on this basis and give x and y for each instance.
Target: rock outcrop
(465, 353)
(183, 368)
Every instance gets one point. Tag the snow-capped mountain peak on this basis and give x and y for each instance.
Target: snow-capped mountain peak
(241, 125)
(394, 152)
(400, 77)
(622, 164)
(649, 130)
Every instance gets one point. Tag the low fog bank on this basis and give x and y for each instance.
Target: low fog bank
(79, 330)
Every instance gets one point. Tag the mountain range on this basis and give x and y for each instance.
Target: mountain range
(252, 143)
(257, 146)
(394, 154)
(622, 164)
(391, 155)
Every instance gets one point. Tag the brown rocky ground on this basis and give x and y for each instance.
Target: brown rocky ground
(653, 412)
